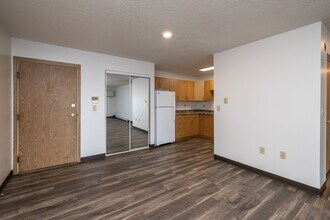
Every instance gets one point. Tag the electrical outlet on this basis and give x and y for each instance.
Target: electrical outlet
(262, 150)
(283, 155)
(218, 108)
(225, 100)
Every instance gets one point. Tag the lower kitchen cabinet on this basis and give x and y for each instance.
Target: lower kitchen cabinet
(193, 125)
(206, 126)
(180, 127)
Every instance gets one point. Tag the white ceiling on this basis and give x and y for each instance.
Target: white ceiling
(133, 29)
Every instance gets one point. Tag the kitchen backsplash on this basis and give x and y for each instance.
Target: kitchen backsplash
(194, 105)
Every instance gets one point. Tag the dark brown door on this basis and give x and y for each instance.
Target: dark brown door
(47, 107)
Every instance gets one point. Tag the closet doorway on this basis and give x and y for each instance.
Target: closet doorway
(127, 109)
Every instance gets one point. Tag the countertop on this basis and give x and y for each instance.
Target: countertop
(194, 112)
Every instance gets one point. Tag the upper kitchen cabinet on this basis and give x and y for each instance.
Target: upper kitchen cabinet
(208, 90)
(190, 90)
(199, 87)
(186, 90)
(174, 87)
(162, 83)
(182, 90)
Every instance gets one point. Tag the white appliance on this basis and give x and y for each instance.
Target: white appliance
(165, 117)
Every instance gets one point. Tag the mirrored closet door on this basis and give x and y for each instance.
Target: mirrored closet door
(127, 111)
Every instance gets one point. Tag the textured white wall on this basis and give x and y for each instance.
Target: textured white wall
(5, 105)
(93, 66)
(325, 38)
(274, 91)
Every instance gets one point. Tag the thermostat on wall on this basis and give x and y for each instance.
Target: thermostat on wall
(95, 99)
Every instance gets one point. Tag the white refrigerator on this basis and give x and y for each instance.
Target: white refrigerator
(165, 117)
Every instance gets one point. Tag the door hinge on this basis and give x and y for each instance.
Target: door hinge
(17, 74)
(17, 159)
(18, 117)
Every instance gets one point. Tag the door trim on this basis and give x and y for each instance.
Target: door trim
(16, 59)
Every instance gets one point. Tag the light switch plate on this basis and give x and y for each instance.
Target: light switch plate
(262, 150)
(225, 100)
(218, 108)
(94, 108)
(95, 99)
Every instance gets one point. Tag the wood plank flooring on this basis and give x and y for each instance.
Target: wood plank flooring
(178, 181)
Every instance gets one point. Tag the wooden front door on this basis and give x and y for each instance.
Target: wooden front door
(47, 114)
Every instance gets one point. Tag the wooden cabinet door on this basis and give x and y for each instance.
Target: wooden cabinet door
(199, 90)
(179, 127)
(174, 87)
(211, 85)
(208, 90)
(182, 90)
(195, 124)
(206, 126)
(188, 124)
(48, 108)
(162, 83)
(190, 90)
(201, 125)
(157, 83)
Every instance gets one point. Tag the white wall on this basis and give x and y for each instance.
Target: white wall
(140, 103)
(123, 102)
(325, 38)
(5, 105)
(274, 91)
(93, 66)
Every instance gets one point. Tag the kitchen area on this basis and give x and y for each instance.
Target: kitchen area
(193, 106)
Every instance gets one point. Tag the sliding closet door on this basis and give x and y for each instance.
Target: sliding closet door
(140, 112)
(118, 113)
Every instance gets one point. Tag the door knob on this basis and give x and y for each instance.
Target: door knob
(73, 105)
(72, 115)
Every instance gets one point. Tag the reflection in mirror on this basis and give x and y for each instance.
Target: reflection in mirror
(140, 112)
(118, 113)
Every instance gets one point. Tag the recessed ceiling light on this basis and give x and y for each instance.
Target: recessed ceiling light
(167, 34)
(207, 69)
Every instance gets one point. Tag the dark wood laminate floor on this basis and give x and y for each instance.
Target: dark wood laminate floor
(118, 136)
(178, 181)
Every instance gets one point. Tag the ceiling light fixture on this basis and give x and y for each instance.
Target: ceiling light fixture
(207, 69)
(167, 34)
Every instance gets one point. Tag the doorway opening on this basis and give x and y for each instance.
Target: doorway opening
(127, 113)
